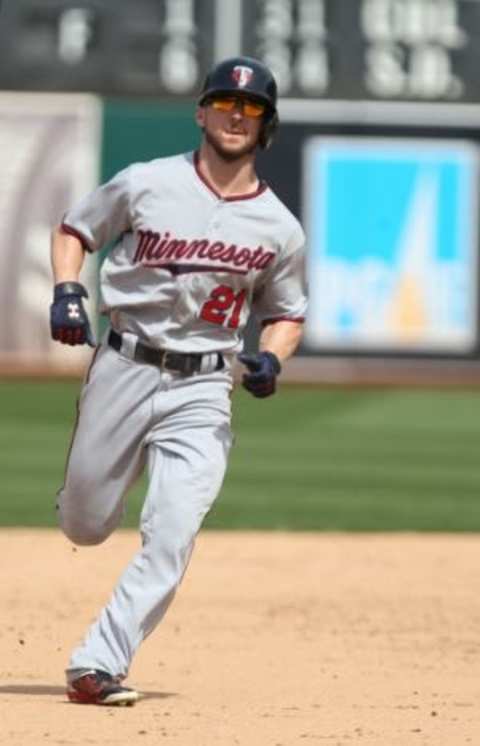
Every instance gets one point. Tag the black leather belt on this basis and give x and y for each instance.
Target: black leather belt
(186, 363)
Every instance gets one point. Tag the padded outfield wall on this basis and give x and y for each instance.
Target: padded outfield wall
(384, 320)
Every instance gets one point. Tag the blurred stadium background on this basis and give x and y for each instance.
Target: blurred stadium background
(377, 154)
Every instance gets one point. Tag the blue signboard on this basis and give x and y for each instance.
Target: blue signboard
(392, 243)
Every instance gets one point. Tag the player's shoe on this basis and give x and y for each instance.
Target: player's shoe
(100, 688)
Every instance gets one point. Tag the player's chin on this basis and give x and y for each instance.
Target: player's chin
(233, 147)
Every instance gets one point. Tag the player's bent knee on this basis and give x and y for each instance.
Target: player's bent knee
(83, 522)
(84, 533)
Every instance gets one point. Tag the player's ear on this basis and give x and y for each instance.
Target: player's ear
(200, 116)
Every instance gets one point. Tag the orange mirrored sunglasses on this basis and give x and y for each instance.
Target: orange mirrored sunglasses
(249, 107)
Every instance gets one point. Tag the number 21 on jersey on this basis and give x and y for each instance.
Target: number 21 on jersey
(224, 305)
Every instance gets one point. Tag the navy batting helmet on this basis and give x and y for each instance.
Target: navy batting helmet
(250, 77)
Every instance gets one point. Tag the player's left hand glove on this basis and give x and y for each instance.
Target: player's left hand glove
(264, 368)
(69, 322)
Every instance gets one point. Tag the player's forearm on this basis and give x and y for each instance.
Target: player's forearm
(67, 256)
(281, 338)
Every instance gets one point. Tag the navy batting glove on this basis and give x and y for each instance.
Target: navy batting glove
(69, 322)
(264, 367)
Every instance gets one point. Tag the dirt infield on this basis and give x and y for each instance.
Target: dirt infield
(273, 640)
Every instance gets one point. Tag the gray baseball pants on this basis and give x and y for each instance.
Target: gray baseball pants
(130, 416)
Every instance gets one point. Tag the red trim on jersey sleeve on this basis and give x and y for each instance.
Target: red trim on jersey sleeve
(73, 232)
(262, 185)
(297, 320)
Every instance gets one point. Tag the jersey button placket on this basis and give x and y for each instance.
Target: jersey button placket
(215, 220)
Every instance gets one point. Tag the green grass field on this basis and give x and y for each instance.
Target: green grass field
(309, 458)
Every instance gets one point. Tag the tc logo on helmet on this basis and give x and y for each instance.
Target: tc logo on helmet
(242, 75)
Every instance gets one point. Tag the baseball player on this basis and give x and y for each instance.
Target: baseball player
(200, 242)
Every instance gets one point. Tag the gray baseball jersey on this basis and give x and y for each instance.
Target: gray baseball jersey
(184, 272)
(188, 266)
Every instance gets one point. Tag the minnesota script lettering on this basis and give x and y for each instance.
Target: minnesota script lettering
(156, 249)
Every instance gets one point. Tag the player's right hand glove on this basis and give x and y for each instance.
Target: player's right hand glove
(261, 380)
(69, 322)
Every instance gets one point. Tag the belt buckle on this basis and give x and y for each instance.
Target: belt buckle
(182, 363)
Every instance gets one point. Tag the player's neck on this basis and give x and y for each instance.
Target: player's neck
(227, 178)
